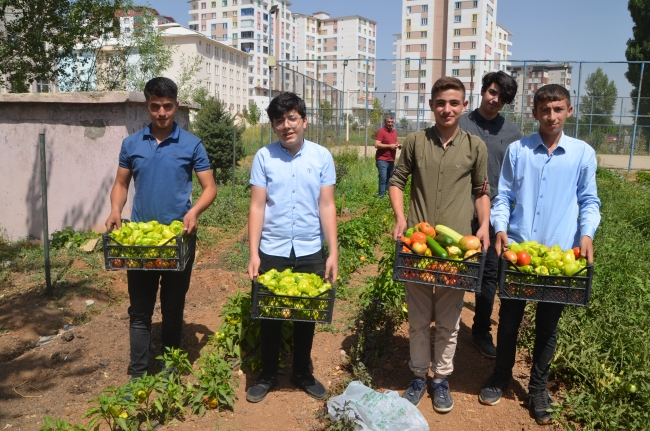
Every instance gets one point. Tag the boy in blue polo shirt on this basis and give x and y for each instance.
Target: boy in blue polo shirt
(292, 210)
(160, 158)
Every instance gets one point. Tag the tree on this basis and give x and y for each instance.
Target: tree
(39, 38)
(186, 80)
(326, 112)
(597, 107)
(638, 49)
(376, 113)
(215, 126)
(254, 114)
(404, 123)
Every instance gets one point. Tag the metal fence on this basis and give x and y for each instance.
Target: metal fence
(347, 98)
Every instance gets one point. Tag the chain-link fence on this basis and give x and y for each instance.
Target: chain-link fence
(347, 99)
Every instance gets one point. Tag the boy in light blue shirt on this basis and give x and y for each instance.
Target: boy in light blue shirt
(547, 193)
(292, 210)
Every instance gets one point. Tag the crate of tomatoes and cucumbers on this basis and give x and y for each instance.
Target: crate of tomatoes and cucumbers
(535, 272)
(439, 256)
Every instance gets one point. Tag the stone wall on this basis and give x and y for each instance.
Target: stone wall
(83, 135)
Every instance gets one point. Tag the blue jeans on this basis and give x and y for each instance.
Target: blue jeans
(385, 169)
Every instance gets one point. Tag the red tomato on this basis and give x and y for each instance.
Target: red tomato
(511, 256)
(576, 252)
(426, 229)
(405, 240)
(418, 237)
(523, 258)
(419, 247)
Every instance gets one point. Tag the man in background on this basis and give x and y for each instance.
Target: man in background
(386, 145)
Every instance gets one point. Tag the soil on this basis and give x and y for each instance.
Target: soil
(58, 378)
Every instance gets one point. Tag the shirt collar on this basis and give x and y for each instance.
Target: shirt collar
(561, 145)
(174, 134)
(437, 140)
(302, 147)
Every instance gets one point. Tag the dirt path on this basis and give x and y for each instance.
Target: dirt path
(59, 378)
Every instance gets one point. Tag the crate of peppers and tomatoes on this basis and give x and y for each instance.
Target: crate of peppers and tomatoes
(439, 256)
(535, 272)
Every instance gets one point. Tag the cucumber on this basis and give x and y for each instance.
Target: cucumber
(455, 236)
(409, 232)
(444, 240)
(436, 249)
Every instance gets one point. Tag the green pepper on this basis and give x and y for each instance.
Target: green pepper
(541, 270)
(568, 257)
(555, 271)
(556, 247)
(571, 268)
(528, 269)
(515, 247)
(409, 232)
(176, 227)
(536, 261)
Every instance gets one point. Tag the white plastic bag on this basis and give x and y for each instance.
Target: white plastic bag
(375, 411)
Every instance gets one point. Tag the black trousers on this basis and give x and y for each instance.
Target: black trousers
(485, 299)
(546, 322)
(143, 289)
(303, 332)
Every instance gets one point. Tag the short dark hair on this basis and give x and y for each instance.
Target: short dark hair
(551, 93)
(284, 103)
(506, 83)
(447, 83)
(161, 87)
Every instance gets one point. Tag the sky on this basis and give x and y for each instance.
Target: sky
(557, 30)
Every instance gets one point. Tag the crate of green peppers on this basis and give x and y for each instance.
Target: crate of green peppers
(292, 296)
(535, 272)
(146, 246)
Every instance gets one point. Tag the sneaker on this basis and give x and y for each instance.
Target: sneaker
(442, 400)
(485, 345)
(309, 384)
(261, 387)
(415, 391)
(492, 392)
(539, 405)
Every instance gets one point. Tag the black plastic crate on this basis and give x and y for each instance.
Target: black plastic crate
(146, 258)
(463, 274)
(559, 289)
(267, 305)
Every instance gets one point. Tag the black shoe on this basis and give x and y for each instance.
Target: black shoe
(261, 387)
(485, 345)
(539, 405)
(309, 384)
(415, 391)
(492, 392)
(442, 399)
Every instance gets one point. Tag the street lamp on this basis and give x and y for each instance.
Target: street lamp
(347, 116)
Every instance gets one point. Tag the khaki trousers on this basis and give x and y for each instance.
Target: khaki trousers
(448, 305)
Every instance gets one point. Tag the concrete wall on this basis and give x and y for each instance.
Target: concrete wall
(83, 135)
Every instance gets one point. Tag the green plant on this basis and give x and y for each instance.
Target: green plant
(116, 409)
(214, 382)
(61, 238)
(141, 389)
(347, 419)
(60, 425)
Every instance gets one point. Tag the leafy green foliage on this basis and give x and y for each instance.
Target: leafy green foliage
(214, 381)
(597, 107)
(61, 238)
(638, 49)
(216, 127)
(189, 86)
(48, 53)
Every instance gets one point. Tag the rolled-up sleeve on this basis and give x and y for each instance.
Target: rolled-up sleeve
(588, 196)
(500, 213)
(404, 164)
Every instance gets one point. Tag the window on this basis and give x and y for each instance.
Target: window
(423, 34)
(423, 47)
(408, 34)
(202, 5)
(234, 35)
(408, 22)
(423, 73)
(457, 5)
(213, 26)
(456, 45)
(456, 18)
(474, 17)
(424, 21)
(474, 31)
(204, 16)
(224, 25)
(234, 2)
(234, 13)
(408, 48)
(214, 4)
(473, 45)
(224, 15)
(207, 68)
(407, 61)
(423, 86)
(456, 32)
(266, 17)
(425, 8)
(475, 3)
(407, 86)
(248, 11)
(456, 58)
(224, 3)
(203, 27)
(214, 15)
(247, 23)
(454, 72)
(408, 9)
(43, 86)
(406, 100)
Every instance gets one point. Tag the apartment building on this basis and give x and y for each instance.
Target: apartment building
(258, 28)
(535, 76)
(224, 69)
(333, 40)
(446, 38)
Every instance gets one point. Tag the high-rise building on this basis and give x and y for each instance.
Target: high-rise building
(335, 40)
(535, 76)
(446, 38)
(259, 28)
